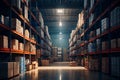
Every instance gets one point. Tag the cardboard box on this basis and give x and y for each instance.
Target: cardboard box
(6, 70)
(27, 33)
(3, 41)
(45, 62)
(98, 31)
(29, 67)
(15, 68)
(27, 46)
(21, 46)
(15, 44)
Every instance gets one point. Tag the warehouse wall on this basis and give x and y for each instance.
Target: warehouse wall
(63, 43)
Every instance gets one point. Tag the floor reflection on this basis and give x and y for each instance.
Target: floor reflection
(63, 74)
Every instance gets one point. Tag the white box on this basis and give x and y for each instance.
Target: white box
(3, 41)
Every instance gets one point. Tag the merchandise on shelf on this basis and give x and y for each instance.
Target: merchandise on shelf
(27, 46)
(80, 20)
(15, 44)
(91, 47)
(104, 24)
(93, 64)
(25, 12)
(98, 44)
(118, 42)
(113, 43)
(6, 70)
(105, 65)
(38, 53)
(105, 45)
(6, 20)
(16, 25)
(115, 17)
(3, 41)
(32, 37)
(27, 34)
(29, 67)
(33, 48)
(115, 66)
(16, 68)
(21, 46)
(98, 31)
(91, 18)
(42, 34)
(16, 3)
(2, 19)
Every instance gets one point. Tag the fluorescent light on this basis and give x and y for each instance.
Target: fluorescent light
(60, 23)
(60, 11)
(60, 33)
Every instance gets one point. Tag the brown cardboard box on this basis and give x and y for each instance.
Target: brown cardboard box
(27, 46)
(6, 70)
(15, 43)
(21, 46)
(29, 67)
(27, 33)
(15, 68)
(45, 62)
(3, 41)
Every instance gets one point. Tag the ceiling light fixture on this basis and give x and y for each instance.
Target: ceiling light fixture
(60, 11)
(60, 23)
(60, 38)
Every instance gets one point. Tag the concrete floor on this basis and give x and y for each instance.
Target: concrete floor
(61, 71)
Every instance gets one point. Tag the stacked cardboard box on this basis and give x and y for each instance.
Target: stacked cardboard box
(27, 34)
(16, 3)
(80, 20)
(21, 46)
(34, 64)
(105, 65)
(115, 17)
(29, 67)
(45, 62)
(15, 68)
(27, 46)
(33, 48)
(6, 70)
(98, 31)
(2, 19)
(38, 53)
(15, 44)
(16, 25)
(25, 12)
(115, 66)
(93, 64)
(3, 41)
(113, 43)
(104, 24)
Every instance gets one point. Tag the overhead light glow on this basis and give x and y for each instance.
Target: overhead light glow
(60, 38)
(60, 23)
(60, 33)
(60, 10)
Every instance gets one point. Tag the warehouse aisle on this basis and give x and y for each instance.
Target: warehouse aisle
(62, 73)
